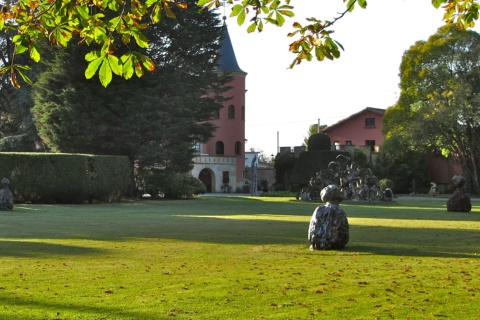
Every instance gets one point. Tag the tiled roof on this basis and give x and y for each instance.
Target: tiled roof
(374, 110)
(227, 61)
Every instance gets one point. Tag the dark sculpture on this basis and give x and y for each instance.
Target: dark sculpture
(459, 201)
(6, 196)
(329, 227)
(353, 181)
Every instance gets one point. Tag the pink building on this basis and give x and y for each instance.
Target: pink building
(363, 131)
(220, 163)
(360, 130)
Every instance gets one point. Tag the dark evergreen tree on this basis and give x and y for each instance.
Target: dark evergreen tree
(17, 131)
(153, 120)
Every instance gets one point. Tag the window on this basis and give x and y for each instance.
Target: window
(231, 112)
(196, 147)
(219, 148)
(369, 122)
(370, 143)
(216, 114)
(243, 113)
(225, 177)
(238, 148)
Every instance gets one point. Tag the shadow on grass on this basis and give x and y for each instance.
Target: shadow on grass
(80, 311)
(31, 249)
(231, 221)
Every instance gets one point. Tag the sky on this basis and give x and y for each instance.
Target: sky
(282, 103)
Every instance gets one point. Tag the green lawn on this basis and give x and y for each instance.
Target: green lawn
(237, 258)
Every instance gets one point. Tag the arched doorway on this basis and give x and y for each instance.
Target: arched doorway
(206, 177)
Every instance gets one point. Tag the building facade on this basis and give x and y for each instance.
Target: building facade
(362, 129)
(220, 162)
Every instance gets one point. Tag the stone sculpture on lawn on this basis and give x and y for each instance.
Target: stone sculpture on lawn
(6, 196)
(459, 201)
(329, 227)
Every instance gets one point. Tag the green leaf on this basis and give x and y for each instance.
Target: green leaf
(287, 13)
(149, 3)
(260, 26)
(128, 69)
(93, 55)
(24, 77)
(105, 73)
(82, 12)
(169, 12)
(251, 28)
(148, 63)
(241, 17)
(202, 3)
(438, 3)
(141, 40)
(115, 65)
(93, 67)
(113, 23)
(156, 14)
(362, 3)
(319, 54)
(138, 70)
(99, 34)
(280, 20)
(236, 10)
(351, 5)
(34, 52)
(20, 48)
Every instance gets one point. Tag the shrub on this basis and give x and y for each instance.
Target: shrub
(385, 183)
(319, 142)
(182, 186)
(360, 159)
(158, 183)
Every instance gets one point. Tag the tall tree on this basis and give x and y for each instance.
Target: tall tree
(17, 131)
(439, 102)
(154, 120)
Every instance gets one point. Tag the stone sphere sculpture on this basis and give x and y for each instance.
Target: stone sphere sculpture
(6, 196)
(329, 227)
(318, 142)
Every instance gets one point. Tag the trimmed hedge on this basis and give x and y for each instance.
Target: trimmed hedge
(65, 178)
(310, 162)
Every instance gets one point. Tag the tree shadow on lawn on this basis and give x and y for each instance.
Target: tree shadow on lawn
(432, 242)
(382, 240)
(81, 311)
(424, 242)
(30, 249)
(287, 227)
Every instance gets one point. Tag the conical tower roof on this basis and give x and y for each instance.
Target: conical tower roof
(227, 61)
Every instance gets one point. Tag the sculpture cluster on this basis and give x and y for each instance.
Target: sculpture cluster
(353, 181)
(459, 201)
(329, 227)
(6, 196)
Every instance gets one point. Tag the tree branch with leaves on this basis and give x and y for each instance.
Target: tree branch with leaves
(103, 24)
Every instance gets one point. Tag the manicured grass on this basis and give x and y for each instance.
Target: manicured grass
(237, 258)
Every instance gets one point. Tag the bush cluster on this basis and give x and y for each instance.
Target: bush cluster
(169, 185)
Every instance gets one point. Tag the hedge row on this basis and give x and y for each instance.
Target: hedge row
(65, 178)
